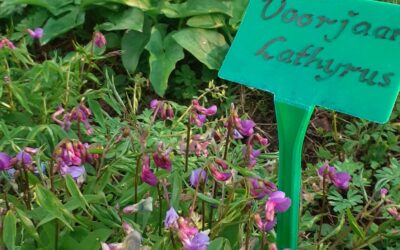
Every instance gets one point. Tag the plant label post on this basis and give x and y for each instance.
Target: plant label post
(337, 54)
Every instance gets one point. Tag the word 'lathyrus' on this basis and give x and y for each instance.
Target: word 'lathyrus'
(309, 55)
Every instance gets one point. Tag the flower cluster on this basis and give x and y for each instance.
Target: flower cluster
(70, 155)
(341, 179)
(198, 114)
(188, 233)
(80, 114)
(163, 108)
(276, 203)
(198, 176)
(6, 43)
(240, 127)
(21, 159)
(261, 188)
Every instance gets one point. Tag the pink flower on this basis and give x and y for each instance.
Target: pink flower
(161, 157)
(219, 175)
(190, 236)
(6, 43)
(147, 175)
(99, 39)
(383, 193)
(80, 114)
(164, 109)
(36, 33)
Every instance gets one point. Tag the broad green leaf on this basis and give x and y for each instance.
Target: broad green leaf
(354, 225)
(196, 7)
(75, 192)
(132, 45)
(176, 189)
(210, 21)
(27, 224)
(219, 244)
(54, 6)
(55, 27)
(238, 8)
(97, 111)
(21, 97)
(164, 54)
(141, 4)
(208, 46)
(10, 230)
(130, 19)
(52, 205)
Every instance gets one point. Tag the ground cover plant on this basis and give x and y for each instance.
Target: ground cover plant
(116, 134)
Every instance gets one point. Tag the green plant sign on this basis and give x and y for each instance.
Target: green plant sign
(337, 54)
(341, 55)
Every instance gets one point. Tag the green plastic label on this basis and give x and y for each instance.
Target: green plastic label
(338, 54)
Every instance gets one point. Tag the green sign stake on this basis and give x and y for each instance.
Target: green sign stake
(338, 54)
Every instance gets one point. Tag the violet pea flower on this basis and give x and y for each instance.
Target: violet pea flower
(99, 39)
(5, 161)
(277, 202)
(341, 180)
(219, 175)
(171, 218)
(197, 176)
(36, 33)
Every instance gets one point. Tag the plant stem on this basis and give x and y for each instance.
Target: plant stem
(27, 191)
(247, 244)
(187, 145)
(79, 130)
(323, 207)
(160, 204)
(262, 240)
(138, 161)
(56, 234)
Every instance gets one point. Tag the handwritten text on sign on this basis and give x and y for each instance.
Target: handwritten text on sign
(339, 54)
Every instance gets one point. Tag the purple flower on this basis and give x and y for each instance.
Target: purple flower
(383, 193)
(5, 161)
(80, 114)
(199, 113)
(261, 188)
(200, 241)
(24, 158)
(250, 155)
(36, 33)
(171, 218)
(264, 225)
(164, 109)
(277, 202)
(147, 175)
(198, 175)
(340, 180)
(246, 127)
(99, 39)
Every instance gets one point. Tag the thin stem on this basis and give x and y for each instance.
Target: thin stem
(187, 145)
(262, 240)
(79, 130)
(56, 234)
(160, 204)
(138, 162)
(27, 191)
(323, 206)
(248, 230)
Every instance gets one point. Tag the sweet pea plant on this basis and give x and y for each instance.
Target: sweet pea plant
(88, 161)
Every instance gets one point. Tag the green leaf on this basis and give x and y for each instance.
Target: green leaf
(208, 46)
(27, 224)
(10, 230)
(52, 205)
(21, 97)
(132, 45)
(55, 27)
(219, 244)
(238, 8)
(75, 192)
(354, 225)
(97, 111)
(196, 7)
(164, 54)
(176, 189)
(54, 6)
(141, 4)
(130, 19)
(210, 21)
